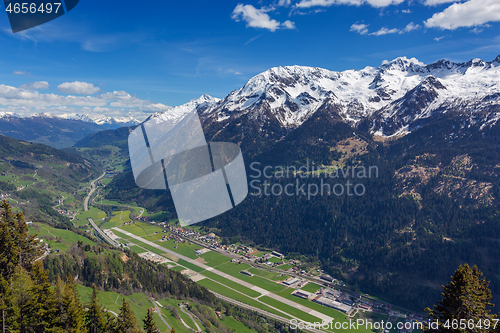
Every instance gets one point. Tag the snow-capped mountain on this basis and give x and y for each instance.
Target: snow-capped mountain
(7, 115)
(384, 100)
(96, 119)
(177, 113)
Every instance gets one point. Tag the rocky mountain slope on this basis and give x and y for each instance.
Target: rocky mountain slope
(395, 98)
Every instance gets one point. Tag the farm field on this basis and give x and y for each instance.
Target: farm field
(218, 288)
(184, 249)
(311, 287)
(57, 238)
(235, 269)
(231, 284)
(118, 219)
(291, 310)
(93, 213)
(214, 259)
(141, 229)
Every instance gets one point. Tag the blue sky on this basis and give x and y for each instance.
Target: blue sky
(128, 58)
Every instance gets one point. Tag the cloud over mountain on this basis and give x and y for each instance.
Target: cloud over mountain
(77, 87)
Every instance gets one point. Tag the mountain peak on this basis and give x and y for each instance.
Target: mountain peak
(204, 99)
(178, 112)
(402, 63)
(430, 82)
(8, 115)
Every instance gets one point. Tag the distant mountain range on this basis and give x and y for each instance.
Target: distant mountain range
(393, 99)
(58, 131)
(388, 101)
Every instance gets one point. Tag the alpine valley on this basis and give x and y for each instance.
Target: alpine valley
(431, 132)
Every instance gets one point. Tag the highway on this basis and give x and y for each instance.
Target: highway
(264, 292)
(92, 190)
(92, 223)
(102, 233)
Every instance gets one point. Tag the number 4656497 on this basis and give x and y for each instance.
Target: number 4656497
(33, 8)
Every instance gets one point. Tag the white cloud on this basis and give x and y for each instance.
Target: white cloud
(288, 24)
(328, 3)
(77, 87)
(410, 27)
(360, 28)
(35, 85)
(479, 29)
(472, 13)
(20, 97)
(406, 11)
(122, 99)
(21, 73)
(438, 2)
(437, 39)
(385, 31)
(117, 103)
(258, 18)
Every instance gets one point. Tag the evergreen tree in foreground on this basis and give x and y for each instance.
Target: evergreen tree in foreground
(149, 323)
(464, 308)
(17, 247)
(126, 322)
(93, 320)
(69, 306)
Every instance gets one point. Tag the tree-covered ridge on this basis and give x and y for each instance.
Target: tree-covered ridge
(123, 272)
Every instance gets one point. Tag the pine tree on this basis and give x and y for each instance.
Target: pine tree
(466, 299)
(126, 322)
(93, 320)
(69, 307)
(109, 323)
(17, 247)
(149, 323)
(6, 304)
(41, 305)
(20, 285)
